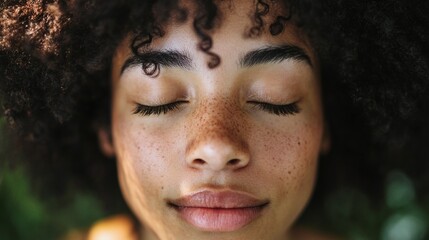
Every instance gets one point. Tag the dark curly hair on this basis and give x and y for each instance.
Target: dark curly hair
(55, 59)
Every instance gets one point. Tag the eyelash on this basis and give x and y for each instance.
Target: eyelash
(280, 110)
(145, 110)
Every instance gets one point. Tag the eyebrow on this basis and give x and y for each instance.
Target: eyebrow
(274, 54)
(165, 58)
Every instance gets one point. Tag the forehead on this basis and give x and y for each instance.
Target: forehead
(248, 18)
(231, 31)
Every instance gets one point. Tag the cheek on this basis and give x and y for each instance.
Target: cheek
(143, 152)
(141, 160)
(289, 157)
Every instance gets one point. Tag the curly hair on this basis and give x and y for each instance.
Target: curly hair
(55, 59)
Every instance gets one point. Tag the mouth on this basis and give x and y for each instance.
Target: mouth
(218, 211)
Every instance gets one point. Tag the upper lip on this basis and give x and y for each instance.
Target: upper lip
(216, 199)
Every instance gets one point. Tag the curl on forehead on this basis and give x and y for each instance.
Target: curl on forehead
(264, 17)
(207, 15)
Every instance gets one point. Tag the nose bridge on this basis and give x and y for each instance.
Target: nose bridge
(216, 140)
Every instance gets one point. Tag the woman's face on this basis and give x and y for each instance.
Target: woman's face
(223, 153)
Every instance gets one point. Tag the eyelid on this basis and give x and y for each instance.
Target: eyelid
(146, 110)
(283, 109)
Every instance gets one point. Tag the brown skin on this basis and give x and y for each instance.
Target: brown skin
(189, 149)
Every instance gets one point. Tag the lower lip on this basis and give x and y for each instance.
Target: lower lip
(219, 219)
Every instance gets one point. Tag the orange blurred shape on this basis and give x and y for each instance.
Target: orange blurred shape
(113, 228)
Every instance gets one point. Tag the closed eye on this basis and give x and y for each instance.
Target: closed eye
(146, 110)
(287, 109)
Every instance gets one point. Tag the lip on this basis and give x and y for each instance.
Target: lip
(219, 211)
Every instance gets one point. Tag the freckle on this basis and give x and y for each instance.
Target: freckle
(289, 172)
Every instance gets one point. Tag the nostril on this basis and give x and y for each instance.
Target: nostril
(233, 161)
(199, 161)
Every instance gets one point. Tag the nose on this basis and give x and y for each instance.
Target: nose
(217, 144)
(217, 154)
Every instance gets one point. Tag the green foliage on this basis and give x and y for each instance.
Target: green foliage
(406, 219)
(24, 215)
(351, 214)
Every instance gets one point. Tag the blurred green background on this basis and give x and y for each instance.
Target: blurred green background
(348, 212)
(26, 215)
